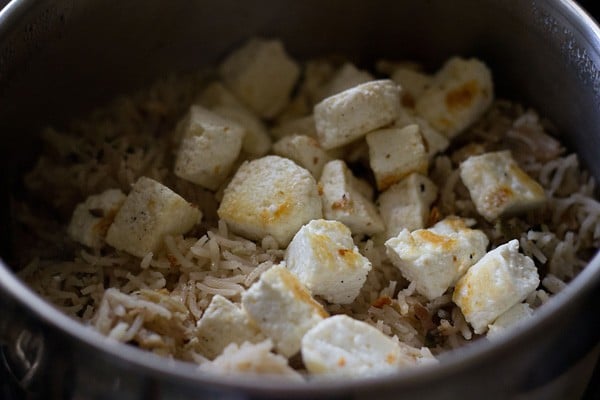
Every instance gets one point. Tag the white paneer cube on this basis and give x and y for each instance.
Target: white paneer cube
(346, 77)
(453, 225)
(461, 91)
(252, 359)
(220, 100)
(340, 346)
(283, 308)
(270, 196)
(498, 186)
(514, 316)
(149, 213)
(209, 146)
(304, 151)
(435, 258)
(349, 115)
(396, 153)
(324, 258)
(262, 75)
(343, 202)
(91, 219)
(413, 84)
(407, 204)
(223, 323)
(256, 141)
(434, 141)
(501, 279)
(298, 126)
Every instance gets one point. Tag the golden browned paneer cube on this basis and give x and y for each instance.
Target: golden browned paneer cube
(150, 212)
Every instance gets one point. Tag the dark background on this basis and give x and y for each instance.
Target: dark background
(9, 392)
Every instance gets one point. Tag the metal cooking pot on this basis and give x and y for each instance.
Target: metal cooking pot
(59, 58)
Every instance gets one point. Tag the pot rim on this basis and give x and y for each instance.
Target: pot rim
(451, 363)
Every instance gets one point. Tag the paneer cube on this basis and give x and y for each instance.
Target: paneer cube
(252, 359)
(324, 258)
(501, 279)
(256, 141)
(283, 308)
(149, 213)
(434, 259)
(413, 84)
(220, 100)
(461, 91)
(92, 218)
(434, 141)
(298, 126)
(340, 346)
(498, 186)
(346, 77)
(209, 145)
(407, 204)
(223, 323)
(514, 316)
(349, 115)
(396, 153)
(270, 196)
(262, 75)
(343, 201)
(304, 151)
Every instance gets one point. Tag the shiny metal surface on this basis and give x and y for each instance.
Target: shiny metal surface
(58, 58)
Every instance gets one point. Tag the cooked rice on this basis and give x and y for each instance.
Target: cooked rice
(155, 302)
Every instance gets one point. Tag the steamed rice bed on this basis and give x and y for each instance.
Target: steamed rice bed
(156, 301)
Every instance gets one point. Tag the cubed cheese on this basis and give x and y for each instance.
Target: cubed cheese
(514, 316)
(304, 151)
(501, 279)
(270, 196)
(346, 77)
(435, 258)
(150, 211)
(413, 84)
(434, 141)
(223, 323)
(252, 359)
(283, 308)
(342, 201)
(453, 225)
(340, 346)
(324, 258)
(396, 153)
(498, 186)
(219, 99)
(91, 219)
(256, 141)
(209, 146)
(458, 95)
(406, 205)
(349, 115)
(262, 75)
(297, 126)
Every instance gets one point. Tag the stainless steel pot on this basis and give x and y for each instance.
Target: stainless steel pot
(59, 57)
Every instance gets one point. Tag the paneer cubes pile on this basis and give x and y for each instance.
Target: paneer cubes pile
(301, 161)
